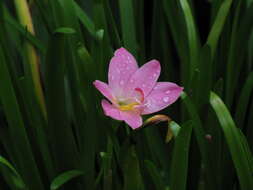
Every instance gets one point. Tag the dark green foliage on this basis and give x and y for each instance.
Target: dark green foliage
(72, 145)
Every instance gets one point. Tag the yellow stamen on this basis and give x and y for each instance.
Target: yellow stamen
(128, 106)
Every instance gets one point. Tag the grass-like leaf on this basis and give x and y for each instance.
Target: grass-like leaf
(63, 178)
(128, 26)
(155, 175)
(244, 101)
(13, 177)
(17, 128)
(179, 164)
(218, 24)
(234, 141)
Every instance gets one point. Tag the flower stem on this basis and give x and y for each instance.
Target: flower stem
(25, 19)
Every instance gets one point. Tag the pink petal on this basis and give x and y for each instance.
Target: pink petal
(163, 94)
(121, 67)
(104, 89)
(144, 78)
(111, 110)
(132, 118)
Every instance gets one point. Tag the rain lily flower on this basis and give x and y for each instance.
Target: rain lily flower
(134, 91)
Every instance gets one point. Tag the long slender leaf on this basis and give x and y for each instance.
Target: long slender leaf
(179, 164)
(200, 136)
(131, 168)
(191, 34)
(64, 145)
(217, 27)
(17, 128)
(156, 176)
(128, 25)
(244, 101)
(234, 141)
(14, 179)
(64, 178)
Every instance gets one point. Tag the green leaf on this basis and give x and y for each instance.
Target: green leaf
(176, 26)
(112, 27)
(191, 35)
(234, 141)
(179, 164)
(176, 22)
(173, 130)
(131, 170)
(14, 178)
(63, 178)
(11, 107)
(60, 131)
(200, 136)
(23, 31)
(156, 146)
(84, 19)
(217, 27)
(65, 30)
(204, 82)
(243, 101)
(155, 175)
(100, 34)
(242, 28)
(128, 27)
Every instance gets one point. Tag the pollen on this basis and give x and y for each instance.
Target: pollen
(127, 107)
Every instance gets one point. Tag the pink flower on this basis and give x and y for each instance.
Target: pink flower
(134, 91)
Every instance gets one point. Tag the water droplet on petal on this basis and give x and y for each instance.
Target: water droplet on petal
(154, 75)
(167, 92)
(131, 80)
(121, 82)
(144, 85)
(166, 99)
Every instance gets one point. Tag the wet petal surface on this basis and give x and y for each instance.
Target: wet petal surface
(144, 78)
(121, 68)
(163, 95)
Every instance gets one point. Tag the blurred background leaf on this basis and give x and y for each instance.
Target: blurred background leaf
(52, 127)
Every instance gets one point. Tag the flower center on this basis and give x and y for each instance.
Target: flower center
(126, 107)
(131, 102)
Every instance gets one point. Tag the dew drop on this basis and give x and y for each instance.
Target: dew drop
(154, 75)
(166, 99)
(131, 80)
(121, 82)
(144, 85)
(167, 92)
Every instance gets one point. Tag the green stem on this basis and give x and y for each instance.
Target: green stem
(25, 19)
